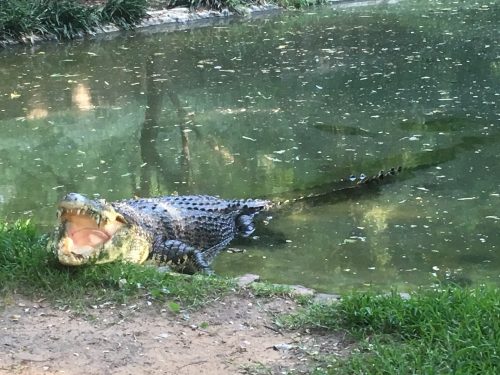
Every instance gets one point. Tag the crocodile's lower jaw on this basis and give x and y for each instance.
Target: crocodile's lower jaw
(71, 255)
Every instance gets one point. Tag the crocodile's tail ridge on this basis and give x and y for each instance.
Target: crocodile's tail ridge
(377, 178)
(342, 189)
(251, 207)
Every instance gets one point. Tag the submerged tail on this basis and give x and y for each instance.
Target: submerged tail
(343, 189)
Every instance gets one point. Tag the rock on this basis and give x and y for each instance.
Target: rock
(283, 347)
(300, 290)
(326, 298)
(405, 296)
(122, 283)
(162, 336)
(247, 279)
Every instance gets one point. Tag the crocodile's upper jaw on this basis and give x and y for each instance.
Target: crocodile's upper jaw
(92, 231)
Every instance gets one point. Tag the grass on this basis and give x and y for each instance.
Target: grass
(260, 289)
(65, 19)
(124, 13)
(450, 331)
(26, 267)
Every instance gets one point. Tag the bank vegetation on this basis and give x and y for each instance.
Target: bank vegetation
(443, 329)
(29, 20)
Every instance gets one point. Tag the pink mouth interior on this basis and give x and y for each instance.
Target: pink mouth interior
(84, 231)
(88, 237)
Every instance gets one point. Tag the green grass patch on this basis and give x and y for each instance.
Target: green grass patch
(26, 267)
(124, 13)
(260, 289)
(450, 331)
(268, 290)
(65, 19)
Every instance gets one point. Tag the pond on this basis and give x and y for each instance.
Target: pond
(272, 107)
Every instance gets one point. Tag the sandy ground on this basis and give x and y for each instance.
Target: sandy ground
(235, 335)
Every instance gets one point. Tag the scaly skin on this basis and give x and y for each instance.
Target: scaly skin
(183, 232)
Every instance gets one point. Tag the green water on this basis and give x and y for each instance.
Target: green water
(272, 105)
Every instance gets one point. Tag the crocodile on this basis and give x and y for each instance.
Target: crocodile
(183, 232)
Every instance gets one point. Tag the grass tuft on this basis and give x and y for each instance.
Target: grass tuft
(65, 19)
(124, 13)
(270, 290)
(453, 330)
(62, 18)
(26, 267)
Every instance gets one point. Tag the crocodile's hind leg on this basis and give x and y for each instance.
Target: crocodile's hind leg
(177, 253)
(245, 225)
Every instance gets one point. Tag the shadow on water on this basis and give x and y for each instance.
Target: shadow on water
(156, 170)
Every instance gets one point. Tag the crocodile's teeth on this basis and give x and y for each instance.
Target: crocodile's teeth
(59, 213)
(98, 220)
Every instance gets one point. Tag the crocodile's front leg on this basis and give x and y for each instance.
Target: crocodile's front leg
(177, 253)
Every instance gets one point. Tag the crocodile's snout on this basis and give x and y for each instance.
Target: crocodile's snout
(74, 197)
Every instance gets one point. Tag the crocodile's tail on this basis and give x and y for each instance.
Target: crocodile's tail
(339, 190)
(342, 189)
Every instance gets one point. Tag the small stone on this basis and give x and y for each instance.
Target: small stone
(405, 296)
(162, 336)
(247, 279)
(300, 290)
(122, 283)
(283, 347)
(326, 298)
(15, 317)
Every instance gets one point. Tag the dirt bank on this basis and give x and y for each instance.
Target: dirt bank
(233, 335)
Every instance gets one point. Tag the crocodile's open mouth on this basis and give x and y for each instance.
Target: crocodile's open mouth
(92, 231)
(84, 233)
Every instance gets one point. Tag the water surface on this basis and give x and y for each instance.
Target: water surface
(265, 107)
